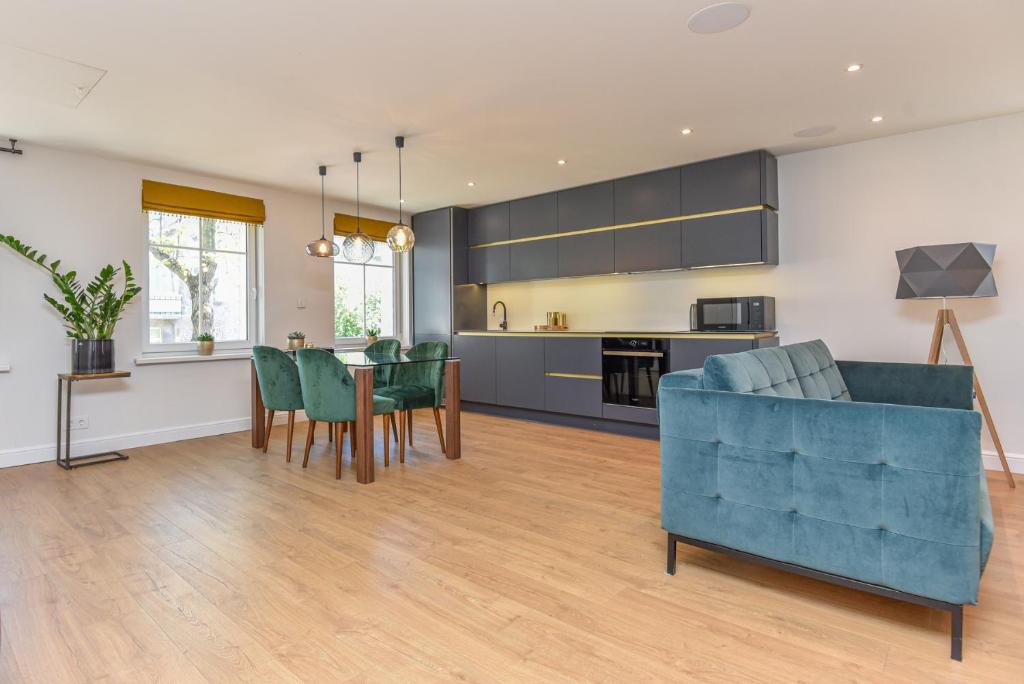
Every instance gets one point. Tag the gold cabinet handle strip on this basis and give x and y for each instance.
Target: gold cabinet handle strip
(577, 376)
(622, 226)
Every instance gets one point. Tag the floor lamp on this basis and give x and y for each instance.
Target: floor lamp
(941, 272)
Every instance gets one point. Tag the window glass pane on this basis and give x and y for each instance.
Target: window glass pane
(348, 300)
(173, 287)
(225, 298)
(173, 230)
(382, 255)
(223, 235)
(380, 299)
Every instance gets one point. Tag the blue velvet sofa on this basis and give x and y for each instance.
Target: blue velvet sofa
(859, 473)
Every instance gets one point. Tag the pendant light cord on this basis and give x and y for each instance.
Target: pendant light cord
(400, 186)
(323, 210)
(357, 197)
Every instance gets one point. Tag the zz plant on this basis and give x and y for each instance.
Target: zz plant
(89, 312)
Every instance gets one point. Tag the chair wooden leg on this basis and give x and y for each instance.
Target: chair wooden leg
(394, 428)
(270, 426)
(440, 432)
(352, 439)
(401, 436)
(330, 432)
(309, 442)
(387, 417)
(338, 441)
(409, 427)
(291, 435)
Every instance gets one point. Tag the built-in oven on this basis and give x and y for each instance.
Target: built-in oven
(631, 368)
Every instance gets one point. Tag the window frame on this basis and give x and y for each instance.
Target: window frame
(253, 291)
(398, 289)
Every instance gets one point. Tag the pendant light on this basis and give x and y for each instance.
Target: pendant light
(322, 247)
(400, 237)
(358, 246)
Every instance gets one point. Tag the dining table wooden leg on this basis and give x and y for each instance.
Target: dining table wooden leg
(364, 425)
(256, 409)
(453, 408)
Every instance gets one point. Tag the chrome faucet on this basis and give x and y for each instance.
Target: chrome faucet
(504, 314)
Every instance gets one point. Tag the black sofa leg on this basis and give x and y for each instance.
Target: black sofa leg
(670, 568)
(956, 640)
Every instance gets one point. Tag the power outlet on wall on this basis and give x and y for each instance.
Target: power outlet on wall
(79, 422)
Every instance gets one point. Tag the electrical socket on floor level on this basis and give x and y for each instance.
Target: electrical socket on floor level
(79, 422)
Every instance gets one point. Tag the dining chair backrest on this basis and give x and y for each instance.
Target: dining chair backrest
(278, 378)
(384, 375)
(328, 390)
(384, 347)
(425, 374)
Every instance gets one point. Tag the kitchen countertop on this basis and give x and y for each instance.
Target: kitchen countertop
(676, 334)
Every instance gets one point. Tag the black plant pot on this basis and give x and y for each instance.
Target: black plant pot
(89, 357)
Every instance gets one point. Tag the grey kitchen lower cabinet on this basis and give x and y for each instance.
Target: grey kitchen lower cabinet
(534, 259)
(649, 248)
(589, 254)
(745, 238)
(578, 355)
(477, 356)
(520, 372)
(686, 354)
(632, 414)
(489, 264)
(576, 396)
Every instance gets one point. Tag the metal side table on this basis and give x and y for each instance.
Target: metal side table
(64, 459)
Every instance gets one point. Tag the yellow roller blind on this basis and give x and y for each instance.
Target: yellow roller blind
(346, 223)
(181, 199)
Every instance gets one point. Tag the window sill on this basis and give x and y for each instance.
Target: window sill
(158, 359)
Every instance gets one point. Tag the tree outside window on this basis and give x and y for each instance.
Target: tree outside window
(364, 295)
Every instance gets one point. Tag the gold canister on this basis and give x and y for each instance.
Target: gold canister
(552, 318)
(562, 321)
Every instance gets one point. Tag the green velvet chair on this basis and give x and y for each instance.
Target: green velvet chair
(329, 395)
(383, 375)
(278, 377)
(417, 386)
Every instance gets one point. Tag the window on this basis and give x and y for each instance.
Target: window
(200, 279)
(365, 296)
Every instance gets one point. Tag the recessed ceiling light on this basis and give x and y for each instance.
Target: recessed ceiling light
(686, 131)
(719, 17)
(876, 119)
(471, 184)
(561, 162)
(854, 67)
(814, 131)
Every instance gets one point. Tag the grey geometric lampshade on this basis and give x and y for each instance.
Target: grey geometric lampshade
(960, 270)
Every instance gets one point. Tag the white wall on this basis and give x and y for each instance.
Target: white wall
(844, 212)
(86, 211)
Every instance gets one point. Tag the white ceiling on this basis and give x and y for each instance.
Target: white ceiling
(496, 91)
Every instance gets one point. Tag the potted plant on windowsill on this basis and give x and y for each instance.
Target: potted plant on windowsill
(372, 334)
(296, 340)
(204, 344)
(90, 313)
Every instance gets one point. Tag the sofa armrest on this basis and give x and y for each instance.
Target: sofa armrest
(881, 493)
(909, 384)
(687, 379)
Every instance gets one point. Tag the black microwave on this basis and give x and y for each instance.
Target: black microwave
(733, 314)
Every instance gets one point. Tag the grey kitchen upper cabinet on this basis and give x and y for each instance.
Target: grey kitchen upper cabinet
(460, 246)
(649, 248)
(534, 259)
(750, 237)
(488, 224)
(532, 216)
(477, 357)
(431, 274)
(589, 206)
(742, 180)
(590, 254)
(647, 196)
(520, 371)
(489, 264)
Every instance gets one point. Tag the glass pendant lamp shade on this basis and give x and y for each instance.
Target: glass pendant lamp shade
(400, 237)
(322, 247)
(357, 247)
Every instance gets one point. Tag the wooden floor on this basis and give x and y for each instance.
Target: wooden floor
(537, 557)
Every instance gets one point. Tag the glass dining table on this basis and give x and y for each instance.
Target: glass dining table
(362, 366)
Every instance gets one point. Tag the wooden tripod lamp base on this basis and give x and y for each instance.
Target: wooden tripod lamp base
(944, 317)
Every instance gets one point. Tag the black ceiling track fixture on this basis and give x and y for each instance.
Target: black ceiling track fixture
(13, 149)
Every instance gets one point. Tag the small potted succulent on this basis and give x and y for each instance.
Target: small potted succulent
(296, 340)
(372, 333)
(204, 344)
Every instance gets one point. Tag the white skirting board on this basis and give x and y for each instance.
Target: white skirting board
(991, 458)
(47, 452)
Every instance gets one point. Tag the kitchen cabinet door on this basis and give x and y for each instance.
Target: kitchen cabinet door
(745, 238)
(588, 206)
(590, 254)
(532, 216)
(649, 248)
(520, 372)
(647, 196)
(489, 264)
(533, 260)
(741, 180)
(431, 285)
(488, 223)
(477, 356)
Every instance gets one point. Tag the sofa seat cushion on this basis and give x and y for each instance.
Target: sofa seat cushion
(805, 370)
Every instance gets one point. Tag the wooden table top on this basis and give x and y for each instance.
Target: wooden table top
(72, 377)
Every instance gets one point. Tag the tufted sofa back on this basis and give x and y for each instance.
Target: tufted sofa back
(805, 371)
